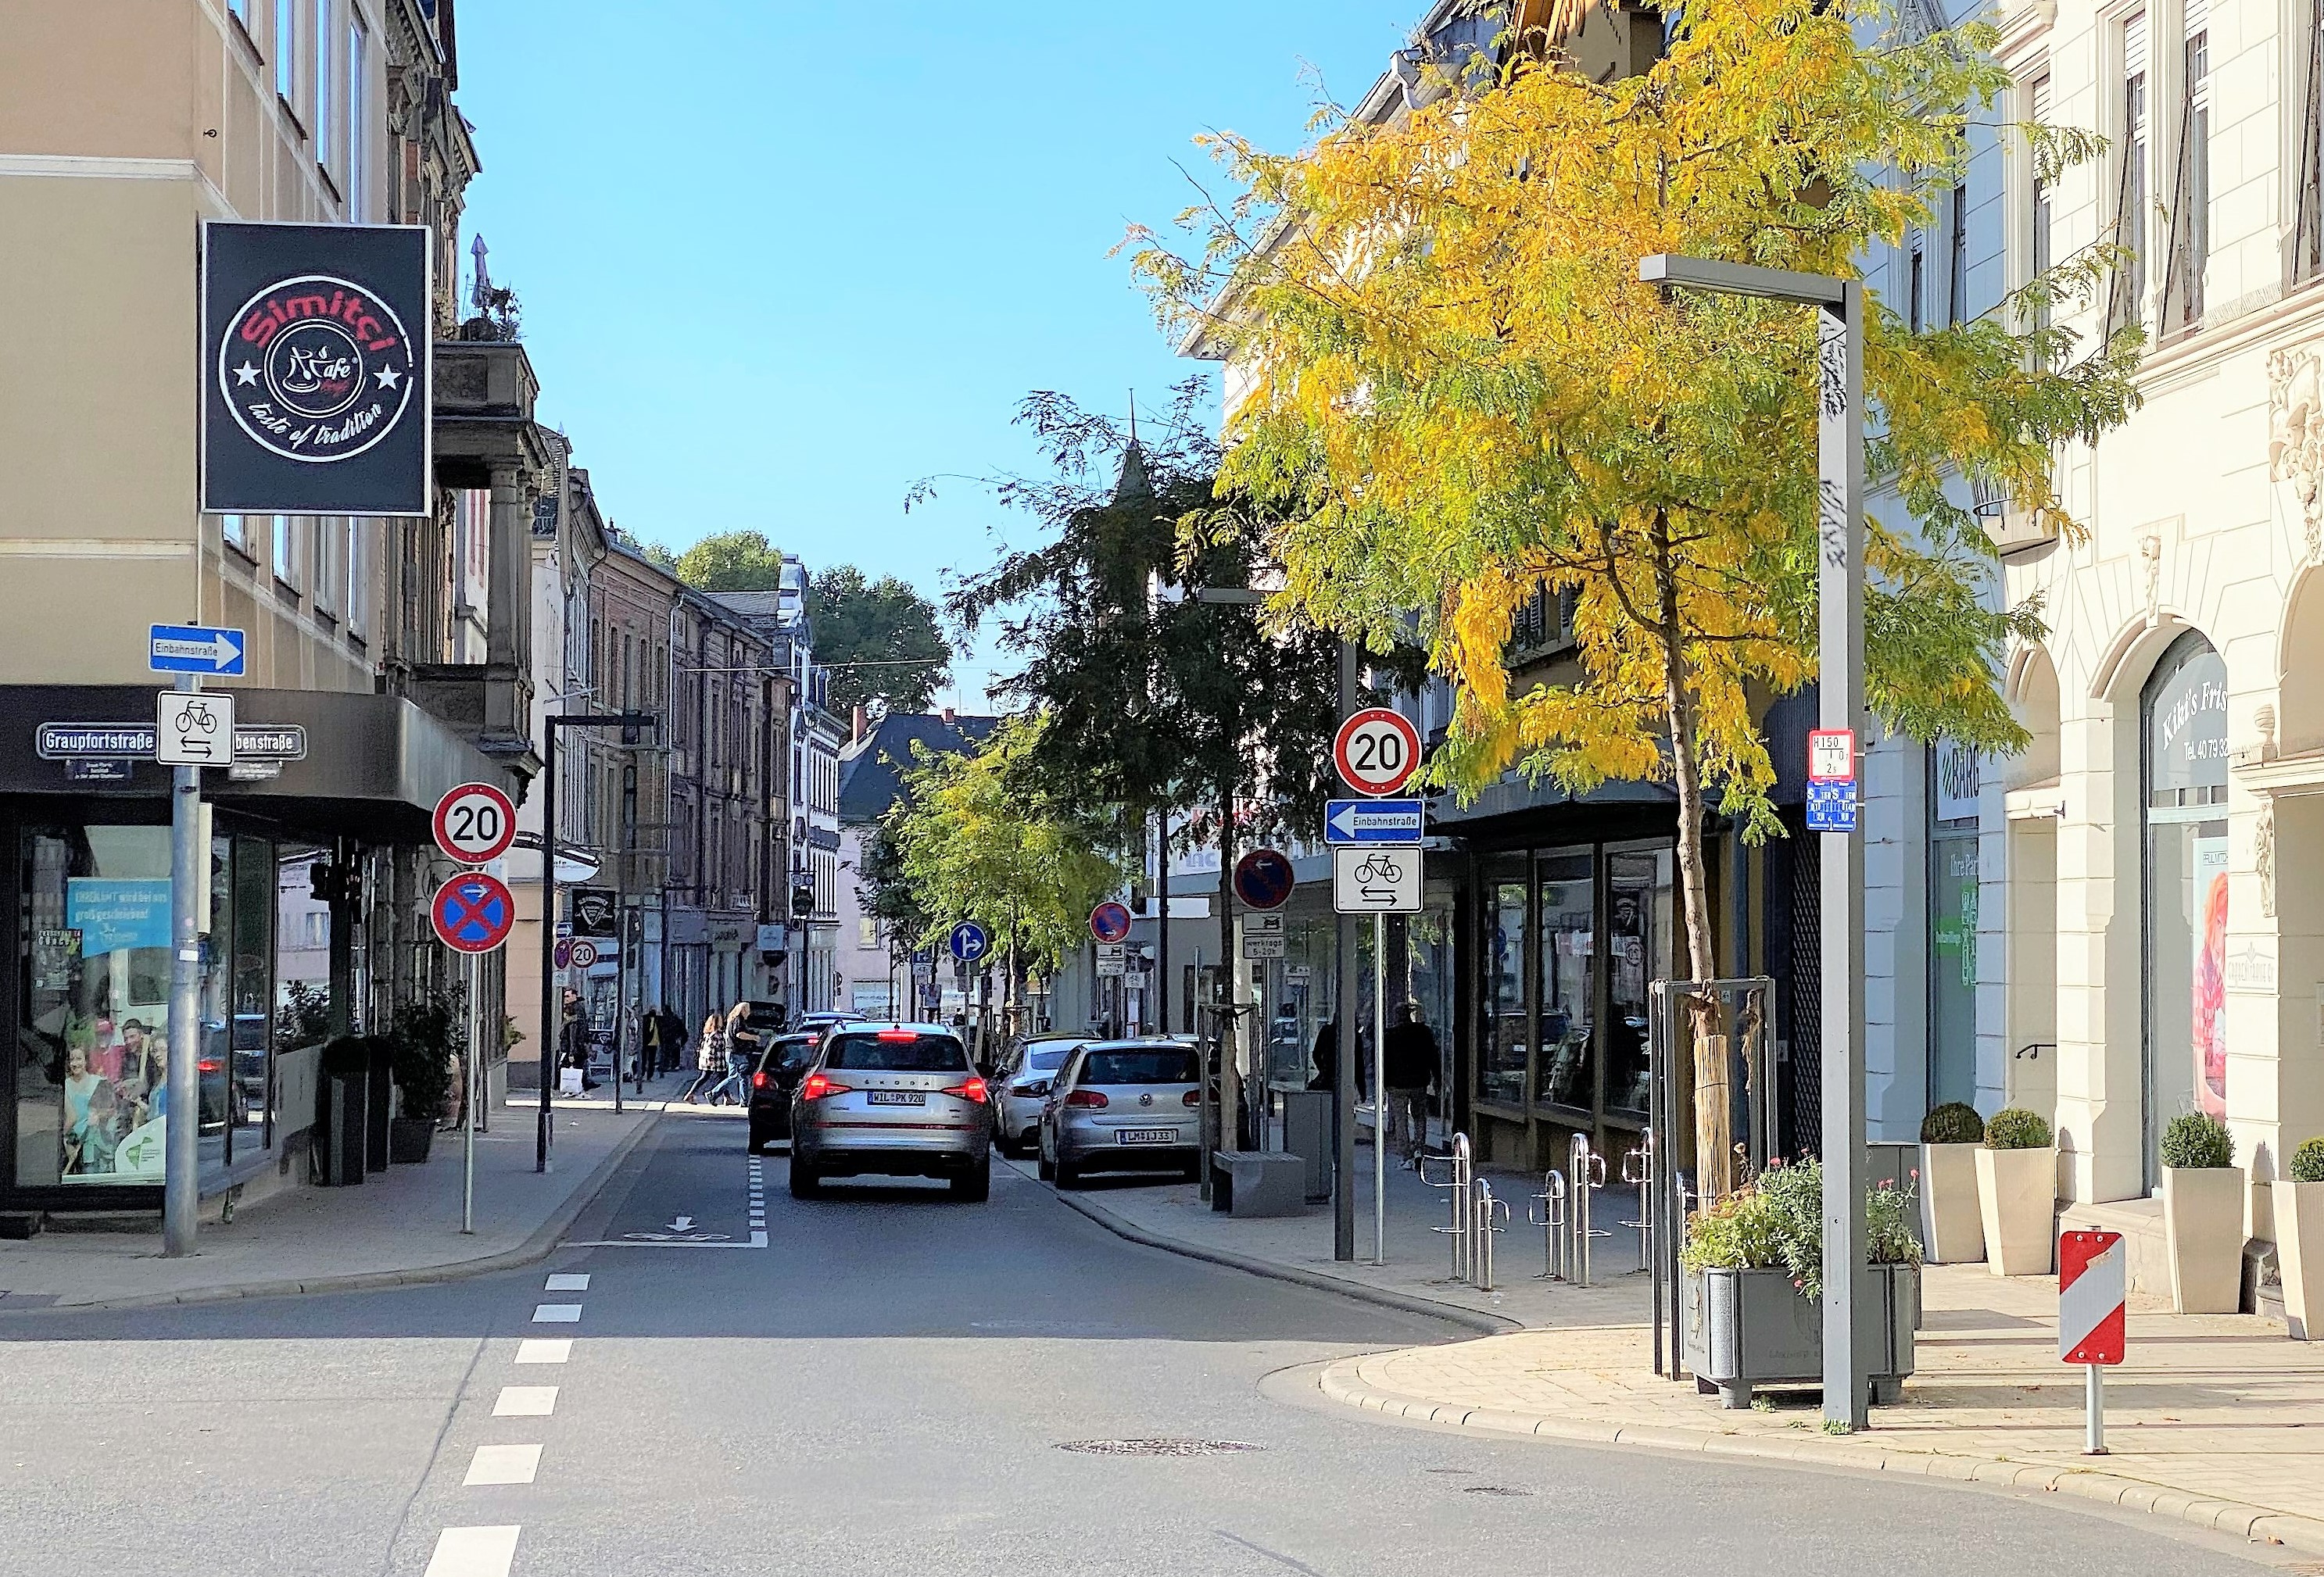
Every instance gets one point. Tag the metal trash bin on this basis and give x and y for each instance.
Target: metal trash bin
(342, 1118)
(1307, 1134)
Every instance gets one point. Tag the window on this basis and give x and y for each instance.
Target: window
(1957, 257)
(2037, 224)
(1915, 284)
(2190, 199)
(2126, 301)
(358, 119)
(323, 83)
(330, 571)
(234, 529)
(902, 1054)
(867, 932)
(2308, 232)
(286, 51)
(358, 607)
(240, 11)
(2184, 721)
(286, 551)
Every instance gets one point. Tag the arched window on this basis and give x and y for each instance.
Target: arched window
(2183, 738)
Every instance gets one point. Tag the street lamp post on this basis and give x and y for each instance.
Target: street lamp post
(1839, 647)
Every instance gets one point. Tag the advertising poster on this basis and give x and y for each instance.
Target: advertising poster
(2211, 929)
(115, 1092)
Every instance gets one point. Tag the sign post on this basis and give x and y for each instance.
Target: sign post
(1375, 870)
(181, 1151)
(475, 824)
(2092, 1331)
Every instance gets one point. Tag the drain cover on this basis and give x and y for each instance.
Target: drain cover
(1493, 1489)
(1158, 1447)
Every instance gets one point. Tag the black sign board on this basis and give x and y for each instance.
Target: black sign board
(96, 769)
(314, 370)
(597, 911)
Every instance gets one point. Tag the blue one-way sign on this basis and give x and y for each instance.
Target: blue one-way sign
(195, 648)
(1374, 820)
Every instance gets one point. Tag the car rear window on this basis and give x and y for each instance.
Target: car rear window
(1161, 1065)
(879, 1054)
(790, 1052)
(1047, 1059)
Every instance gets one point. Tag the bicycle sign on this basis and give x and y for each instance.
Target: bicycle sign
(1375, 881)
(1377, 751)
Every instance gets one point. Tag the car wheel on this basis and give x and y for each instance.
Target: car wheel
(757, 1144)
(1069, 1175)
(804, 1184)
(1044, 1165)
(974, 1185)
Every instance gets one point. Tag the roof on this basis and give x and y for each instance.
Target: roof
(871, 773)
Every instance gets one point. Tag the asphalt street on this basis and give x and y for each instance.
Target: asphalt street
(893, 1384)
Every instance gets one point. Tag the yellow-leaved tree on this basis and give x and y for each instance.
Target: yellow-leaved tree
(1459, 396)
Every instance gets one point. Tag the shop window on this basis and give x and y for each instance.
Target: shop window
(1952, 892)
(2183, 721)
(1642, 931)
(1501, 1079)
(1567, 1075)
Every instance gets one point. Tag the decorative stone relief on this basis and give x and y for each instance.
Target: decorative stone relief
(2264, 858)
(2295, 441)
(2150, 548)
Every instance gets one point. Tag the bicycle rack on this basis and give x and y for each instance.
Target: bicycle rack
(1585, 1174)
(1550, 1219)
(1639, 1170)
(1482, 1213)
(1460, 1175)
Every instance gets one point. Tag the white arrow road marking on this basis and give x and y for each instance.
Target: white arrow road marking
(503, 1464)
(473, 1552)
(681, 1223)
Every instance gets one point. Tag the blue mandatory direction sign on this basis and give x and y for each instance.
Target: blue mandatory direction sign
(195, 648)
(1375, 820)
(969, 943)
(1831, 805)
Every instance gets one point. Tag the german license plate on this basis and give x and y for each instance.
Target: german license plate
(895, 1098)
(1147, 1136)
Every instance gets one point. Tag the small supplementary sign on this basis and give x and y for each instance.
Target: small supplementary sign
(1263, 936)
(1375, 820)
(195, 649)
(1831, 755)
(1375, 881)
(195, 729)
(1832, 806)
(96, 769)
(1113, 959)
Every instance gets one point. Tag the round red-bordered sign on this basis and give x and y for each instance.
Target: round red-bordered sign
(1263, 879)
(1110, 921)
(1377, 751)
(473, 912)
(475, 823)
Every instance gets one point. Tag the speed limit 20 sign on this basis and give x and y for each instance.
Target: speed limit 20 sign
(1377, 751)
(475, 823)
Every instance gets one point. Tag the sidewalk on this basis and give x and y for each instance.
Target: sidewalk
(401, 1226)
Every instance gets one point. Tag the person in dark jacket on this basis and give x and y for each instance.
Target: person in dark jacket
(1410, 1058)
(1326, 1057)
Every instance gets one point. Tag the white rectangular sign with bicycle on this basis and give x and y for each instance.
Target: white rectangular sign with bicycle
(1376, 880)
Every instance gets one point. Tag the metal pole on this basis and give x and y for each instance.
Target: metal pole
(1839, 530)
(1379, 1089)
(1162, 920)
(1343, 994)
(181, 1151)
(547, 942)
(622, 981)
(475, 1056)
(2094, 1442)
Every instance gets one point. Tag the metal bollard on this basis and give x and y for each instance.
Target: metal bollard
(1550, 1219)
(1482, 1215)
(1638, 1169)
(1585, 1174)
(1459, 1175)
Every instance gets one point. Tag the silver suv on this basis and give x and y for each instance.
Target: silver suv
(893, 1100)
(1123, 1105)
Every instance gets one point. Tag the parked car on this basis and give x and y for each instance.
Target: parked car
(893, 1100)
(1123, 1105)
(253, 1034)
(222, 1097)
(1021, 1087)
(774, 1080)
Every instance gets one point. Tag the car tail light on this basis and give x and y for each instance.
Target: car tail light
(818, 1086)
(1086, 1098)
(1194, 1097)
(1039, 1087)
(973, 1090)
(897, 1035)
(759, 1080)
(208, 1064)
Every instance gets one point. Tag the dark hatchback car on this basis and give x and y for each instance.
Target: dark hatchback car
(774, 1081)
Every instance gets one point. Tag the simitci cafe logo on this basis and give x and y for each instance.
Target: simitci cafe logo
(316, 369)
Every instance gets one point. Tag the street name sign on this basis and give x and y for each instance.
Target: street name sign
(195, 729)
(135, 741)
(1376, 751)
(473, 912)
(475, 823)
(1375, 881)
(195, 648)
(1395, 821)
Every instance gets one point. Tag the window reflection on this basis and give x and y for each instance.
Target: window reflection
(1502, 1079)
(1639, 924)
(1568, 1074)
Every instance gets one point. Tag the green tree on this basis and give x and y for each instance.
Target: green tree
(731, 561)
(880, 640)
(1462, 397)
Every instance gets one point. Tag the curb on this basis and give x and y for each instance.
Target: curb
(1341, 1382)
(1484, 1324)
(538, 1246)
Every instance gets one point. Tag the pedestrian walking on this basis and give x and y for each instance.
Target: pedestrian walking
(573, 1044)
(742, 1056)
(1410, 1058)
(709, 1055)
(1326, 1057)
(649, 1045)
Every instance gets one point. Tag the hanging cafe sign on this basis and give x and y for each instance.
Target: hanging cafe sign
(315, 381)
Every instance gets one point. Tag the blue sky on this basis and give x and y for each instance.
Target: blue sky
(778, 261)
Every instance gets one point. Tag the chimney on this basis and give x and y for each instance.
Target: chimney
(855, 736)
(949, 716)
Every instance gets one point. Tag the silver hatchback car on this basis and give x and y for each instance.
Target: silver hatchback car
(1020, 1087)
(1123, 1105)
(893, 1100)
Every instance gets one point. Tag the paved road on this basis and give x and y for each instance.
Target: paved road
(883, 1389)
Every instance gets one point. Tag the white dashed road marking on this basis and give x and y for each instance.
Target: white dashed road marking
(567, 1283)
(525, 1402)
(503, 1464)
(473, 1552)
(557, 1314)
(544, 1350)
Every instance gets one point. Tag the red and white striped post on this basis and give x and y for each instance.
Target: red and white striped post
(2091, 1329)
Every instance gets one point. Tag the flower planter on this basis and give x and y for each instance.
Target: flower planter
(2017, 1195)
(1745, 1329)
(2300, 1254)
(409, 1139)
(2203, 1228)
(1952, 1222)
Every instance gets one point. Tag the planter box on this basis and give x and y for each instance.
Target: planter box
(2300, 1254)
(2204, 1228)
(2017, 1195)
(1952, 1221)
(1744, 1329)
(408, 1140)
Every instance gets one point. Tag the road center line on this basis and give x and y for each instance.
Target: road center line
(544, 1350)
(503, 1464)
(525, 1402)
(557, 1314)
(567, 1283)
(473, 1552)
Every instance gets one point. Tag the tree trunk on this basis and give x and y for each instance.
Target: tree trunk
(1714, 1130)
(1229, 1084)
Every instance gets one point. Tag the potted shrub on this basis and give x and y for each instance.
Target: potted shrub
(2203, 1214)
(419, 1055)
(2017, 1193)
(1752, 1269)
(2299, 1239)
(1952, 1223)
